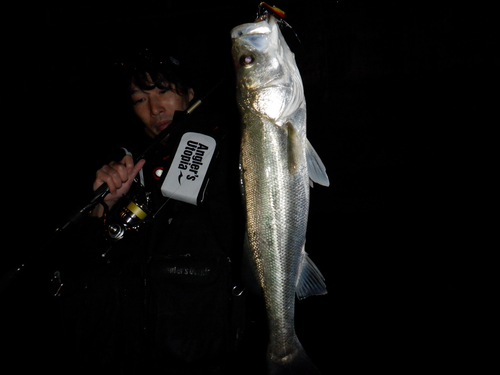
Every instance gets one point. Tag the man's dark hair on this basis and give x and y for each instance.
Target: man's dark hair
(149, 70)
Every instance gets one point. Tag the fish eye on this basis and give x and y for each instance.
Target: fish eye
(246, 60)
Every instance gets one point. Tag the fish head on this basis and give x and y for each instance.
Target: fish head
(268, 80)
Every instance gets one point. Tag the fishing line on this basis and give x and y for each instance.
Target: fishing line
(265, 10)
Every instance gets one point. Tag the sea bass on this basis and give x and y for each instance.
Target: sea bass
(277, 165)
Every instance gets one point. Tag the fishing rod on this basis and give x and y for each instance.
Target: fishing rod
(156, 143)
(103, 190)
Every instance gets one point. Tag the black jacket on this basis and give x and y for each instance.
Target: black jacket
(160, 299)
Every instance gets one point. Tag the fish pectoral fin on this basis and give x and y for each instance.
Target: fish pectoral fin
(315, 167)
(311, 282)
(294, 149)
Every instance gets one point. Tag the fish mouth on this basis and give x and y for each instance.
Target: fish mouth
(259, 27)
(249, 38)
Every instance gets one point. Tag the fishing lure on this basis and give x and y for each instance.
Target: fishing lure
(277, 12)
(265, 10)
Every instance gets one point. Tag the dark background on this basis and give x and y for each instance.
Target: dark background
(400, 99)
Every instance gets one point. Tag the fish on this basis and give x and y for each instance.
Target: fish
(277, 167)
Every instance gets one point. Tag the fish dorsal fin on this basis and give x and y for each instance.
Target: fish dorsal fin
(316, 168)
(310, 282)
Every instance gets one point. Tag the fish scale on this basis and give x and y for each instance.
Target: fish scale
(277, 221)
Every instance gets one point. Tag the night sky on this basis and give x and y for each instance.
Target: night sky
(400, 99)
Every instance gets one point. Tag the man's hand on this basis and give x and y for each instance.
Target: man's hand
(119, 176)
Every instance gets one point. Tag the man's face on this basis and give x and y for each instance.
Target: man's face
(156, 107)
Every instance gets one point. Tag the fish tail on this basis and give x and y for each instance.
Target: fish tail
(297, 363)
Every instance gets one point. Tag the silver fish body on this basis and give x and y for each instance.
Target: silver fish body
(277, 164)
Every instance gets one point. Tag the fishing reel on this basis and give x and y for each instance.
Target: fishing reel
(130, 213)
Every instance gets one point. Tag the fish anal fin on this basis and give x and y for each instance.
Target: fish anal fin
(310, 282)
(315, 167)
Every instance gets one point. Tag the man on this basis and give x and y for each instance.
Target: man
(155, 106)
(159, 297)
